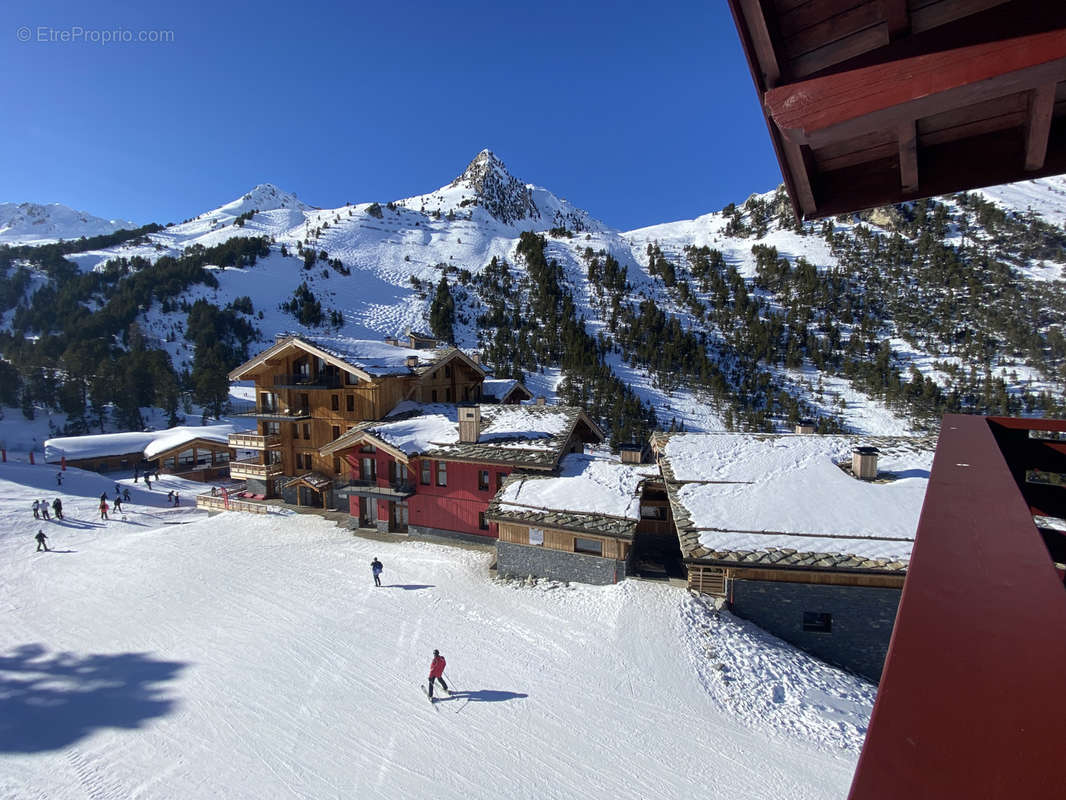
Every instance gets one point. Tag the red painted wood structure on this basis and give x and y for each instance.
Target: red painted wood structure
(871, 102)
(972, 700)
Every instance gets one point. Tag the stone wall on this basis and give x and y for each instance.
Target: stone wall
(518, 561)
(424, 531)
(862, 618)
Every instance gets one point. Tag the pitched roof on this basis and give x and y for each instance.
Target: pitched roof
(594, 494)
(782, 500)
(149, 443)
(367, 358)
(525, 436)
(500, 388)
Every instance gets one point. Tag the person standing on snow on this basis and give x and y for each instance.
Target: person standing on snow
(57, 506)
(118, 502)
(376, 567)
(436, 673)
(36, 509)
(103, 508)
(126, 495)
(40, 537)
(43, 507)
(59, 479)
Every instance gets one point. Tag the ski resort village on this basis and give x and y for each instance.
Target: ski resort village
(470, 493)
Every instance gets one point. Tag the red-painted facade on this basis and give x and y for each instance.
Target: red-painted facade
(457, 506)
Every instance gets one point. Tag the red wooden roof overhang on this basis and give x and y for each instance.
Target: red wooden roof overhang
(972, 700)
(872, 102)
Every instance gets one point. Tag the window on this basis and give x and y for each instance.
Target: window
(337, 464)
(305, 404)
(499, 480)
(483, 480)
(442, 473)
(307, 430)
(448, 371)
(448, 395)
(369, 469)
(482, 523)
(334, 402)
(536, 536)
(349, 402)
(350, 379)
(427, 478)
(817, 622)
(592, 547)
(187, 458)
(433, 396)
(336, 431)
(295, 431)
(222, 457)
(272, 429)
(401, 471)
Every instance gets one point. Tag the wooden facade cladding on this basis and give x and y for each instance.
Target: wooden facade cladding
(451, 381)
(712, 578)
(564, 541)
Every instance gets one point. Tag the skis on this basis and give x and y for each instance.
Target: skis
(432, 700)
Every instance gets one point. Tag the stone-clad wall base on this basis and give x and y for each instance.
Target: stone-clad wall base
(519, 561)
(862, 619)
(425, 530)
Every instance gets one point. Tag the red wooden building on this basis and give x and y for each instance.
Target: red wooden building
(432, 470)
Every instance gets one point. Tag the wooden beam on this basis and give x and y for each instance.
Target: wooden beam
(801, 167)
(896, 17)
(1038, 125)
(762, 41)
(846, 104)
(908, 156)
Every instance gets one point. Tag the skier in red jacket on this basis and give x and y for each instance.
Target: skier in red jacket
(436, 673)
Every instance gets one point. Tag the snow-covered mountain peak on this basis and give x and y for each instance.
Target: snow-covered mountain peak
(500, 193)
(39, 222)
(264, 197)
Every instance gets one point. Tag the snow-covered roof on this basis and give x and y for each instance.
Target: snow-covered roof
(374, 357)
(176, 437)
(531, 435)
(786, 495)
(501, 387)
(586, 484)
(149, 443)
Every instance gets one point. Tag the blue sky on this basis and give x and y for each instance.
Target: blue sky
(638, 112)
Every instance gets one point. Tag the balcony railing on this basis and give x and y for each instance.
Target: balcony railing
(308, 381)
(274, 412)
(253, 469)
(250, 440)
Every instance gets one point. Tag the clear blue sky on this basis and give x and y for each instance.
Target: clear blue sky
(638, 112)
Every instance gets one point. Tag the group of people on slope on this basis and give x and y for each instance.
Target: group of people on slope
(40, 509)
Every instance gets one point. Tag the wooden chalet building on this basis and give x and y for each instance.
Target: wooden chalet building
(804, 535)
(311, 391)
(200, 453)
(431, 470)
(579, 525)
(505, 390)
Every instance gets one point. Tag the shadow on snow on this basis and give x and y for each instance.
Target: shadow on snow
(408, 586)
(485, 696)
(51, 700)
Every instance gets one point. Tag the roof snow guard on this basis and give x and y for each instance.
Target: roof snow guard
(971, 700)
(871, 102)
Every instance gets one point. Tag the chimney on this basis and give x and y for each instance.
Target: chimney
(392, 340)
(541, 401)
(469, 423)
(805, 426)
(864, 463)
(412, 362)
(631, 453)
(477, 358)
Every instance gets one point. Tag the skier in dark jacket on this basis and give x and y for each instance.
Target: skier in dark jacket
(118, 502)
(40, 537)
(376, 567)
(57, 506)
(436, 673)
(125, 495)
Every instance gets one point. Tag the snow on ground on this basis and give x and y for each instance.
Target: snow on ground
(249, 656)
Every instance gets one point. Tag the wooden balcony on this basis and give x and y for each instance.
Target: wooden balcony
(253, 469)
(250, 440)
